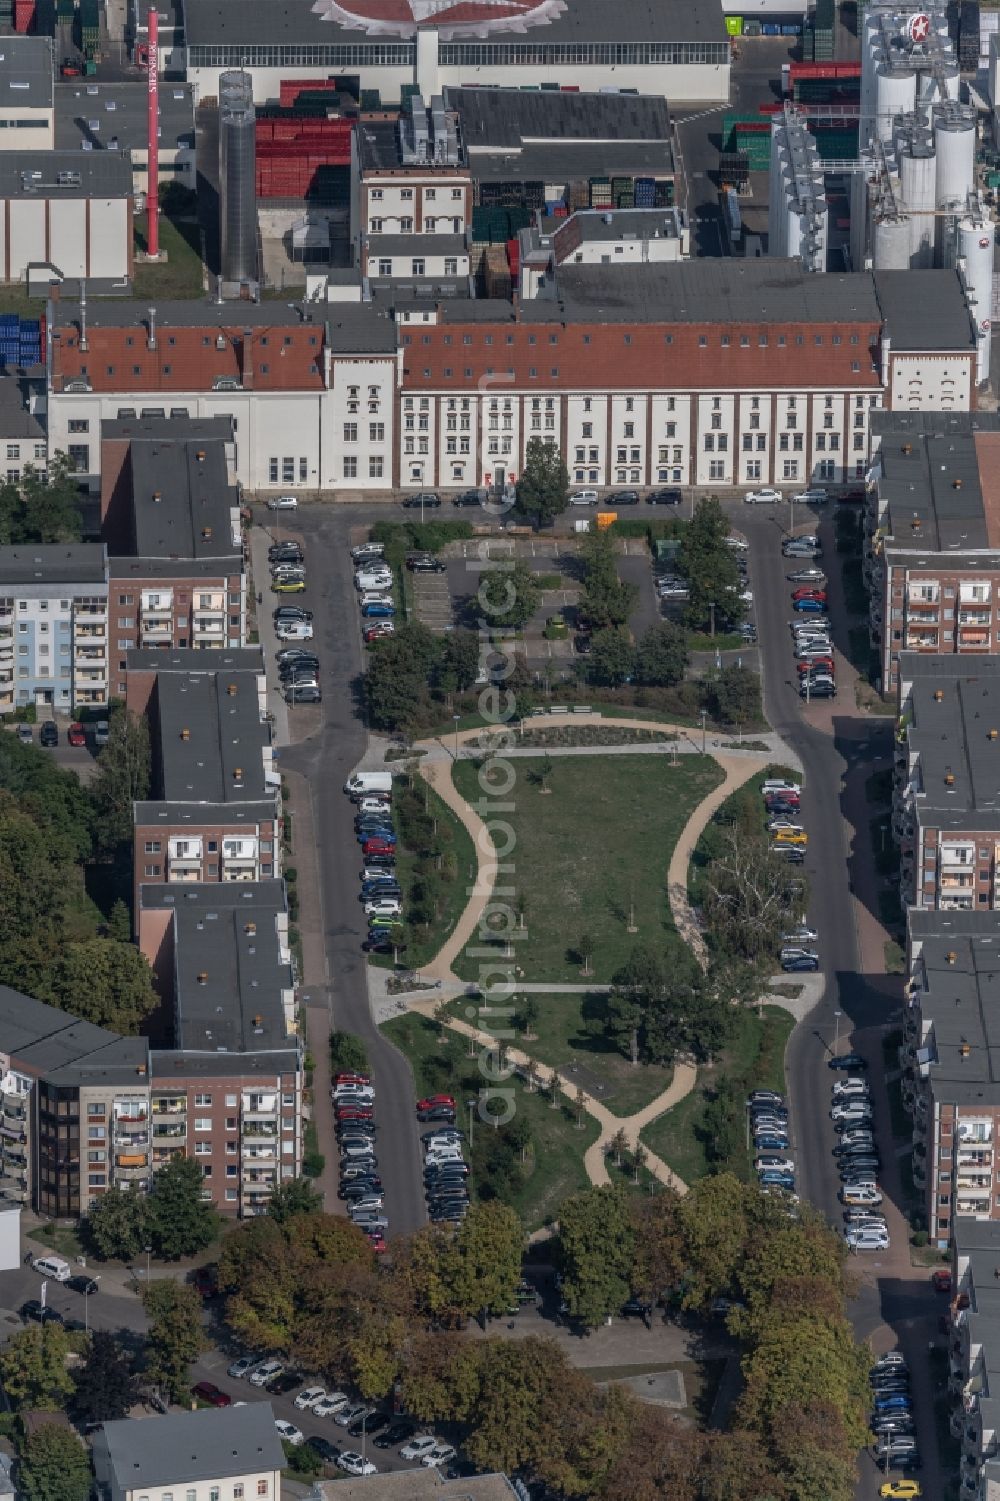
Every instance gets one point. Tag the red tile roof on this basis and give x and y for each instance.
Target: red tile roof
(189, 359)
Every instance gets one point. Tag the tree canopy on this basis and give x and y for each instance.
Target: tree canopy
(606, 600)
(507, 597)
(596, 1249)
(178, 1220)
(543, 489)
(662, 656)
(39, 508)
(33, 1367)
(709, 565)
(104, 1382)
(55, 1466)
(124, 770)
(176, 1335)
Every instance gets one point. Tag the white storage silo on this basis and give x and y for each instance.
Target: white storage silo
(955, 143)
(917, 183)
(975, 245)
(895, 94)
(891, 243)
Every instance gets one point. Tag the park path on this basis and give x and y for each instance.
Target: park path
(435, 767)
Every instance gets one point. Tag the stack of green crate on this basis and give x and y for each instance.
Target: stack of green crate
(90, 27)
(64, 10)
(824, 21)
(757, 146)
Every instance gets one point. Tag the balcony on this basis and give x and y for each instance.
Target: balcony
(15, 1108)
(258, 1133)
(209, 628)
(972, 1133)
(955, 853)
(156, 630)
(973, 1202)
(175, 1131)
(957, 883)
(90, 633)
(13, 1131)
(169, 1105)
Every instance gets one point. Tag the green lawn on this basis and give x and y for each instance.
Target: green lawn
(568, 1034)
(181, 274)
(756, 1057)
(553, 1160)
(588, 852)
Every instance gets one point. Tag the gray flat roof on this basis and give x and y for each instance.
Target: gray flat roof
(379, 150)
(16, 421)
(493, 118)
(183, 505)
(188, 659)
(122, 312)
(104, 115)
(926, 923)
(218, 22)
(924, 310)
(566, 161)
(618, 224)
(962, 981)
(932, 495)
(959, 763)
(54, 563)
(207, 428)
(204, 814)
(229, 973)
(27, 68)
(211, 737)
(65, 174)
(259, 1068)
(184, 1447)
(43, 1040)
(417, 245)
(358, 328)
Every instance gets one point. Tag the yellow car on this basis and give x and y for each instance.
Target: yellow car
(790, 836)
(293, 586)
(902, 1490)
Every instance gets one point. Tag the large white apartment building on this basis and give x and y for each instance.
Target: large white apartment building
(53, 627)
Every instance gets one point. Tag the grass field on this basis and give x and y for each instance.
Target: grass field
(181, 274)
(755, 1055)
(590, 852)
(552, 1165)
(568, 1035)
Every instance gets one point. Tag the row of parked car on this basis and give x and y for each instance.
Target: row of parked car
(381, 894)
(892, 1424)
(373, 582)
(811, 628)
(446, 1172)
(857, 1154)
(773, 1162)
(353, 1099)
(287, 563)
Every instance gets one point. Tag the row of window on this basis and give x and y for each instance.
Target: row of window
(418, 266)
(404, 226)
(406, 194)
(287, 470)
(215, 1494)
(351, 56)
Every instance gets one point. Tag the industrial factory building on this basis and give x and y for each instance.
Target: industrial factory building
(92, 116)
(66, 210)
(674, 49)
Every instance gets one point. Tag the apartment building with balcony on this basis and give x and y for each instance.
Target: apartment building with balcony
(53, 628)
(950, 1058)
(229, 1093)
(214, 813)
(932, 547)
(974, 1356)
(171, 519)
(946, 785)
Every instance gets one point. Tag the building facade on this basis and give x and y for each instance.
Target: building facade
(217, 1454)
(53, 628)
(973, 1362)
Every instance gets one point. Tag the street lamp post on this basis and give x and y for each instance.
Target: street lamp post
(86, 1301)
(471, 1105)
(711, 610)
(148, 1250)
(836, 1040)
(455, 720)
(704, 741)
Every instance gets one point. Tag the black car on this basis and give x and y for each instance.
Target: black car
(284, 1382)
(49, 733)
(848, 1062)
(328, 1453)
(297, 659)
(376, 943)
(623, 498)
(34, 1311)
(83, 1285)
(664, 498)
(425, 563)
(583, 643)
(374, 1424)
(398, 1433)
(635, 1308)
(437, 1113)
(427, 501)
(468, 498)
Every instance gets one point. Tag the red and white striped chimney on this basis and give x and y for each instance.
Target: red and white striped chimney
(153, 167)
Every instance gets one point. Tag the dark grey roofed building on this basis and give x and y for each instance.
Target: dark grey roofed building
(228, 1445)
(213, 744)
(65, 174)
(102, 116)
(41, 563)
(183, 505)
(924, 310)
(954, 757)
(48, 1043)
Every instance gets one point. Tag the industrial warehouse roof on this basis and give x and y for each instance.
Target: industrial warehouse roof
(26, 72)
(270, 22)
(185, 1447)
(106, 115)
(508, 118)
(42, 1040)
(924, 310)
(65, 174)
(54, 563)
(183, 505)
(211, 739)
(960, 977)
(949, 731)
(232, 971)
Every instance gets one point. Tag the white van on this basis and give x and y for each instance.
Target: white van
(361, 782)
(54, 1267)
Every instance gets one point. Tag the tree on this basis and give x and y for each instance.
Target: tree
(117, 1224)
(663, 1005)
(459, 662)
(488, 1249)
(35, 882)
(639, 1159)
(104, 1382)
(397, 938)
(176, 1335)
(596, 1249)
(508, 596)
(123, 778)
(708, 564)
(291, 1197)
(585, 948)
(606, 599)
(52, 797)
(543, 489)
(735, 696)
(529, 1015)
(104, 982)
(612, 656)
(54, 1465)
(119, 925)
(745, 897)
(662, 655)
(33, 1367)
(722, 1124)
(348, 1054)
(397, 683)
(712, 1220)
(42, 508)
(180, 1223)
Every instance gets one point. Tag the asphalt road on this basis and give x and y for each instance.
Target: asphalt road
(326, 758)
(837, 840)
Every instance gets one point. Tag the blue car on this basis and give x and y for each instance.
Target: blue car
(387, 836)
(801, 963)
(375, 611)
(897, 1403)
(808, 606)
(771, 1143)
(777, 1180)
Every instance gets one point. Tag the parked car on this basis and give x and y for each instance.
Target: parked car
(349, 1461)
(800, 964)
(207, 1391)
(328, 1453)
(622, 498)
(48, 735)
(265, 1372)
(845, 1061)
(667, 497)
(424, 500)
(288, 1433)
(814, 497)
(584, 498)
(766, 496)
(76, 734)
(468, 498)
(282, 503)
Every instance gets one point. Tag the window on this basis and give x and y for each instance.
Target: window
(376, 467)
(406, 225)
(203, 1099)
(350, 433)
(75, 425)
(417, 266)
(13, 450)
(376, 432)
(262, 1487)
(717, 469)
(450, 265)
(203, 1123)
(272, 471)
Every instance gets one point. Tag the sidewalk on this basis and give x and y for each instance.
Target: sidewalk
(317, 1017)
(303, 860)
(259, 542)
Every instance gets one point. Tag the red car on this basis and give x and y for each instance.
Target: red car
(377, 1243)
(378, 847)
(377, 631)
(806, 593)
(352, 1079)
(76, 734)
(354, 1113)
(782, 797)
(435, 1099)
(942, 1282)
(814, 662)
(206, 1391)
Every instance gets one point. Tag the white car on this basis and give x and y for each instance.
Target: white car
(811, 498)
(329, 1404)
(785, 825)
(803, 933)
(584, 498)
(367, 552)
(806, 576)
(309, 1396)
(289, 1433)
(354, 1464)
(439, 1455)
(740, 543)
(418, 1447)
(298, 630)
(374, 597)
(774, 1164)
(865, 1196)
(373, 578)
(384, 907)
(869, 1240)
(266, 1371)
(765, 497)
(778, 784)
(283, 503)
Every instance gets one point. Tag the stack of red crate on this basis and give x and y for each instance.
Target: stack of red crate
(24, 16)
(290, 151)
